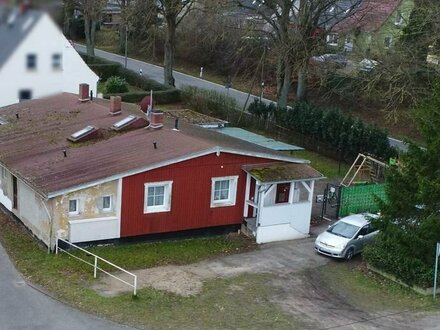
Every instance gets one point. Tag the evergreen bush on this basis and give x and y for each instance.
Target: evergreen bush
(116, 84)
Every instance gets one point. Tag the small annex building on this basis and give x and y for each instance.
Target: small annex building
(91, 170)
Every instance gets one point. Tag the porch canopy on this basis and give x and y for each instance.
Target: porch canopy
(282, 172)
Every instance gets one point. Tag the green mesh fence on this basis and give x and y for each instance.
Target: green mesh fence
(361, 198)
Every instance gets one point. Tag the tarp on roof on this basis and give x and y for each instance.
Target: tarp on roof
(258, 139)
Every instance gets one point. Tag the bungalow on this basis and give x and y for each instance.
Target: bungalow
(36, 60)
(90, 170)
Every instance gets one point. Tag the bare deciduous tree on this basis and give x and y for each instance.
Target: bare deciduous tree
(173, 12)
(92, 11)
(298, 28)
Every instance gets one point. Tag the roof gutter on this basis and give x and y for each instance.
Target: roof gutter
(217, 150)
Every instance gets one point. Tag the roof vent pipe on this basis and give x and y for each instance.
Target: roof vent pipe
(65, 152)
(176, 124)
(17, 116)
(155, 145)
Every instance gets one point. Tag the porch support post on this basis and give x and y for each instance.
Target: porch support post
(312, 187)
(247, 195)
(291, 192)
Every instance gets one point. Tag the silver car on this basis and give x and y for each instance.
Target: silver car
(346, 237)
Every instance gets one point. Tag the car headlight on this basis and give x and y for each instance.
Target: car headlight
(341, 246)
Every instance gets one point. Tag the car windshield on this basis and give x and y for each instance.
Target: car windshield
(343, 229)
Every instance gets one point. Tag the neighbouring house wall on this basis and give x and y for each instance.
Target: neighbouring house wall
(5, 188)
(190, 197)
(30, 207)
(371, 44)
(44, 40)
(92, 222)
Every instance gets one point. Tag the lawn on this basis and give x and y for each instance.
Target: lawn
(223, 303)
(372, 292)
(327, 166)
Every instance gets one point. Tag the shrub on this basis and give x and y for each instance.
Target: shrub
(116, 84)
(209, 102)
(105, 71)
(390, 256)
(338, 131)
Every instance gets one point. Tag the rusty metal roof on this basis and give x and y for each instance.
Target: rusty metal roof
(31, 146)
(282, 172)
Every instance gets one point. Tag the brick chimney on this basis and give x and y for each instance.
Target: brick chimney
(84, 94)
(115, 105)
(156, 119)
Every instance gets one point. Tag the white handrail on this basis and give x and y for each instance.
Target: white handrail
(95, 264)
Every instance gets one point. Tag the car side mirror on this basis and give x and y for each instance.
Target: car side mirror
(360, 237)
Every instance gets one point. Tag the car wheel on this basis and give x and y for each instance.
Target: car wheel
(349, 254)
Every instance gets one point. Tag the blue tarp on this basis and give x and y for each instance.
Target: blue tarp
(260, 140)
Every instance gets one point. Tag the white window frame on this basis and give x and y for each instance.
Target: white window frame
(332, 39)
(166, 207)
(107, 209)
(57, 61)
(233, 182)
(76, 212)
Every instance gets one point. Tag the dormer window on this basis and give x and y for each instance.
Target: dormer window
(56, 61)
(81, 134)
(31, 61)
(124, 123)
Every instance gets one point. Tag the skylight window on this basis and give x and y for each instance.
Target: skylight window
(82, 133)
(3, 121)
(124, 122)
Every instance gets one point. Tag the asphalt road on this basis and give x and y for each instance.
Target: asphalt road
(181, 79)
(23, 307)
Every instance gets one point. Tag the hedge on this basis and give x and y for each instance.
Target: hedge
(106, 69)
(160, 97)
(339, 131)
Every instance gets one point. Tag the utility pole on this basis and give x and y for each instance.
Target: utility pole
(126, 45)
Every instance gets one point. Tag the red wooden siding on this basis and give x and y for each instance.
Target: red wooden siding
(191, 195)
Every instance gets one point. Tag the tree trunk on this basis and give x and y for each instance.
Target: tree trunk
(301, 90)
(123, 28)
(285, 88)
(92, 37)
(122, 38)
(280, 74)
(170, 43)
(87, 31)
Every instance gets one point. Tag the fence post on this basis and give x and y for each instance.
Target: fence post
(94, 268)
(135, 285)
(56, 245)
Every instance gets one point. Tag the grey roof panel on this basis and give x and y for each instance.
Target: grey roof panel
(14, 28)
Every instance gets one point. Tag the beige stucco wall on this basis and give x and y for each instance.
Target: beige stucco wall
(90, 206)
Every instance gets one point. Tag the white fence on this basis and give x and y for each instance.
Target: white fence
(95, 263)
